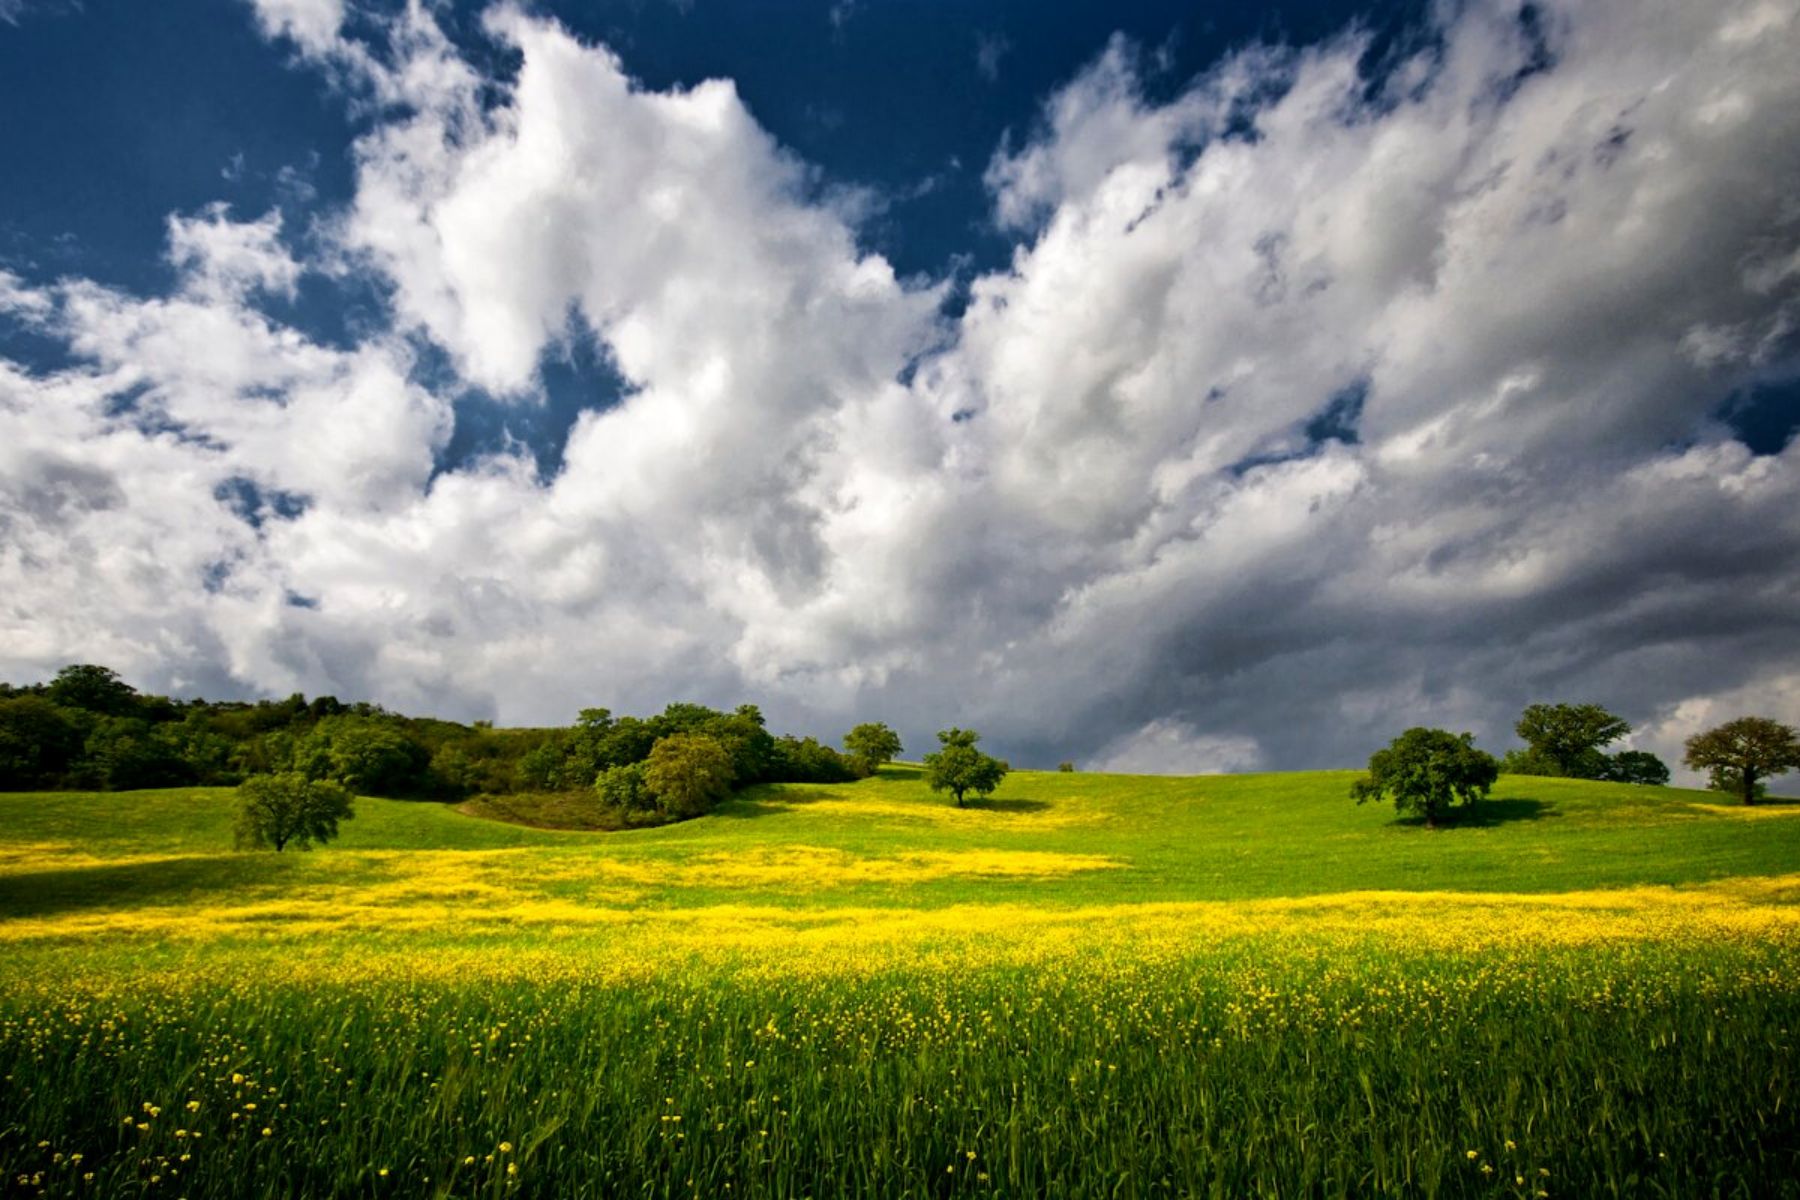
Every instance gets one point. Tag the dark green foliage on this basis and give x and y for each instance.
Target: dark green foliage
(38, 742)
(1627, 766)
(959, 768)
(1428, 772)
(1530, 762)
(93, 689)
(624, 788)
(808, 760)
(89, 729)
(373, 756)
(1065, 766)
(1740, 754)
(1568, 737)
(870, 745)
(277, 811)
(688, 773)
(123, 753)
(1637, 766)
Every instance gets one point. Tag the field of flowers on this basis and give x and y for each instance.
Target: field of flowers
(943, 1009)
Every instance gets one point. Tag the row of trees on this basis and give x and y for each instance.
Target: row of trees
(1433, 773)
(87, 729)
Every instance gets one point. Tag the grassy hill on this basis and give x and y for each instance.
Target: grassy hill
(1090, 984)
(1044, 839)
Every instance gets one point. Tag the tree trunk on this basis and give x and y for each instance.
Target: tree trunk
(1749, 787)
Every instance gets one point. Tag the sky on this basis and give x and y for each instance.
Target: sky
(1161, 387)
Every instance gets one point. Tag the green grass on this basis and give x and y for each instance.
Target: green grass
(1209, 838)
(1098, 985)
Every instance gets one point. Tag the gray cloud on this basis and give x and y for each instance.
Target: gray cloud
(1098, 515)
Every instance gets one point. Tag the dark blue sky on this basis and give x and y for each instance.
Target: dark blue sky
(120, 113)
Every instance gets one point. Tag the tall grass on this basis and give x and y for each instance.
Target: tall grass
(1335, 1069)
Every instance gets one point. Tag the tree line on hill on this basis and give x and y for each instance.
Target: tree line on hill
(1434, 774)
(88, 729)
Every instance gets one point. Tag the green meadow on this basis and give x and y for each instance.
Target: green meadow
(1085, 985)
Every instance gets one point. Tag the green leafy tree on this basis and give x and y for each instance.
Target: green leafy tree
(808, 760)
(1569, 737)
(38, 742)
(960, 768)
(1740, 754)
(1428, 772)
(870, 745)
(289, 809)
(93, 688)
(1637, 766)
(688, 773)
(125, 753)
(370, 756)
(624, 788)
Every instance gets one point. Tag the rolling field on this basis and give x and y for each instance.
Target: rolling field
(1089, 985)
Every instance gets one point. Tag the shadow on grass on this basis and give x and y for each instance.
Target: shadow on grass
(168, 881)
(1489, 813)
(1012, 804)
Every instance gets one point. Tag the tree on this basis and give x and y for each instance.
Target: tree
(94, 688)
(124, 753)
(807, 760)
(38, 741)
(373, 757)
(623, 788)
(1740, 754)
(1570, 736)
(870, 745)
(1637, 766)
(688, 773)
(289, 809)
(1428, 771)
(960, 768)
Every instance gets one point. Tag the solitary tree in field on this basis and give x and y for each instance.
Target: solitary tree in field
(1741, 754)
(289, 809)
(871, 744)
(688, 773)
(1565, 739)
(1429, 772)
(959, 767)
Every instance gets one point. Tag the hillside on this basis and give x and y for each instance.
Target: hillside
(159, 863)
(1091, 985)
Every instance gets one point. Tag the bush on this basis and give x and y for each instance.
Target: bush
(624, 788)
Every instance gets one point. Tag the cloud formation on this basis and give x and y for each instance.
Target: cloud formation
(1316, 401)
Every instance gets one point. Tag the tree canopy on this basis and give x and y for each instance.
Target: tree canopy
(289, 809)
(1739, 755)
(960, 768)
(688, 773)
(1429, 772)
(1568, 738)
(870, 745)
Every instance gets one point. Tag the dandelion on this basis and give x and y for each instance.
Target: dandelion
(506, 1147)
(267, 1132)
